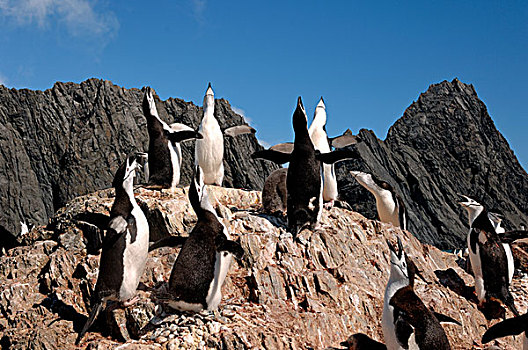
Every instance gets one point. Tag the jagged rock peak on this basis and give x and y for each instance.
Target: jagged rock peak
(445, 143)
(69, 140)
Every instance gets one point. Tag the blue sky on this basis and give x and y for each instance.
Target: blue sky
(368, 59)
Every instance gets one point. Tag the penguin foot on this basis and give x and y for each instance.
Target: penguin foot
(130, 302)
(329, 205)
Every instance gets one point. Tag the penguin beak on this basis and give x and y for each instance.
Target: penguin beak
(466, 201)
(355, 173)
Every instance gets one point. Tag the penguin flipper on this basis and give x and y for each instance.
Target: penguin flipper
(343, 140)
(445, 319)
(285, 147)
(239, 130)
(336, 156)
(225, 245)
(272, 155)
(513, 236)
(98, 219)
(511, 326)
(179, 136)
(180, 127)
(402, 327)
(508, 300)
(170, 241)
(96, 309)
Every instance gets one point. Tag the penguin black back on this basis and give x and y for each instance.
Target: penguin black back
(304, 176)
(160, 167)
(428, 333)
(494, 260)
(202, 264)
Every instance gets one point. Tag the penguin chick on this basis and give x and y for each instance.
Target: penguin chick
(275, 193)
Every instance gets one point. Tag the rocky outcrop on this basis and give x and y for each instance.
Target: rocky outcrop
(69, 140)
(309, 293)
(445, 143)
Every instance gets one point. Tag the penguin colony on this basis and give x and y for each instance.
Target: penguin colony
(300, 191)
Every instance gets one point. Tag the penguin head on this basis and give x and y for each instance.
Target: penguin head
(124, 176)
(320, 114)
(208, 101)
(372, 183)
(399, 263)
(149, 105)
(473, 207)
(300, 121)
(198, 195)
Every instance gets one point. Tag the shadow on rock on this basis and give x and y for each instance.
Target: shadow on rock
(277, 220)
(449, 278)
(64, 311)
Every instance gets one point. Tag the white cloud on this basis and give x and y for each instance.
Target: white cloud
(3, 80)
(198, 7)
(80, 17)
(242, 113)
(264, 144)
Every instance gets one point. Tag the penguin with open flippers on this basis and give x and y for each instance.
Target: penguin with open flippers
(209, 151)
(303, 181)
(323, 144)
(125, 246)
(164, 152)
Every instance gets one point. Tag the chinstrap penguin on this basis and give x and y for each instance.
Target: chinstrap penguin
(319, 138)
(323, 144)
(164, 152)
(496, 220)
(389, 204)
(360, 341)
(303, 180)
(209, 151)
(201, 266)
(275, 193)
(407, 323)
(125, 246)
(511, 326)
(487, 256)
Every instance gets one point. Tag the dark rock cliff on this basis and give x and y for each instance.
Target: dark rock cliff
(445, 143)
(69, 140)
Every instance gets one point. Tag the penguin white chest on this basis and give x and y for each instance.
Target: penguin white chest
(214, 295)
(210, 151)
(176, 159)
(509, 257)
(386, 207)
(476, 266)
(135, 256)
(320, 141)
(389, 331)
